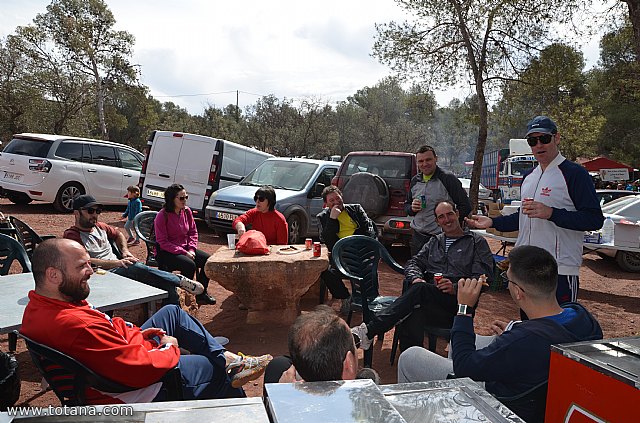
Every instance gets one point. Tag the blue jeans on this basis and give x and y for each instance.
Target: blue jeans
(128, 226)
(160, 279)
(203, 371)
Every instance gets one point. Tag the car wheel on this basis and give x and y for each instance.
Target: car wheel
(295, 229)
(19, 198)
(66, 195)
(628, 261)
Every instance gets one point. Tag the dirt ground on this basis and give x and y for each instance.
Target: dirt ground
(608, 292)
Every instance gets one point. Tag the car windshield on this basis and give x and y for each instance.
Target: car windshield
(28, 147)
(285, 174)
(616, 205)
(521, 167)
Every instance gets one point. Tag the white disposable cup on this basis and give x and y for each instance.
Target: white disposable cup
(231, 241)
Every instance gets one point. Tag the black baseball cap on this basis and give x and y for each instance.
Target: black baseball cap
(84, 201)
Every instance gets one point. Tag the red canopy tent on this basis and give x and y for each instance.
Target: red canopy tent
(598, 163)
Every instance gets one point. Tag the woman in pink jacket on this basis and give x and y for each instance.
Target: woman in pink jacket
(177, 240)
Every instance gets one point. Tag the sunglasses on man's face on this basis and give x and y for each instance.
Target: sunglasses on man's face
(544, 139)
(259, 198)
(93, 210)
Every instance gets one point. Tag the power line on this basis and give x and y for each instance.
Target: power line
(195, 95)
(208, 94)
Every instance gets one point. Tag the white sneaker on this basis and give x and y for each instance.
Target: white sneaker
(361, 333)
(192, 286)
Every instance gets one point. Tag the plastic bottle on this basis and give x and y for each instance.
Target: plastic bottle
(607, 231)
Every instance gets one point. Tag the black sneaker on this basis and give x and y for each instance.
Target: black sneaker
(205, 299)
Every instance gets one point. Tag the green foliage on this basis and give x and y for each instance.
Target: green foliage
(552, 84)
(615, 93)
(446, 42)
(73, 51)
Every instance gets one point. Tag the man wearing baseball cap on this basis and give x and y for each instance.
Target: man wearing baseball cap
(97, 238)
(563, 206)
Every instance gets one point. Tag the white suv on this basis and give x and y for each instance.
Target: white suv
(57, 168)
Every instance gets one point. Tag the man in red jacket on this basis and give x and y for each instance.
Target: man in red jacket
(59, 316)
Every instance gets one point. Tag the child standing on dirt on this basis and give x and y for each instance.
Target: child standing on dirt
(133, 208)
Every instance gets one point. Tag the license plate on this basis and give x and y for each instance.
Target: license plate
(226, 216)
(10, 176)
(155, 193)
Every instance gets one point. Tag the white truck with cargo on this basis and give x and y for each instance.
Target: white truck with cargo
(201, 164)
(503, 170)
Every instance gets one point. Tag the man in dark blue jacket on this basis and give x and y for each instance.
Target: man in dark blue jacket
(517, 360)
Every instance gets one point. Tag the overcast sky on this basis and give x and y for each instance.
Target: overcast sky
(292, 49)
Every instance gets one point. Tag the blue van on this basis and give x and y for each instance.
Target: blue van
(298, 184)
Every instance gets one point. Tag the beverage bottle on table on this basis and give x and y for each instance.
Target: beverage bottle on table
(608, 231)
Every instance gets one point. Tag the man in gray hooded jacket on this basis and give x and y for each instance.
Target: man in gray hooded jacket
(455, 253)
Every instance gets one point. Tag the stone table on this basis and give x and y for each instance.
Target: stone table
(269, 285)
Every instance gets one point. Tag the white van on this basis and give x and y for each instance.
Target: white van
(201, 164)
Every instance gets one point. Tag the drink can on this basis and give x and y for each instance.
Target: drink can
(437, 277)
(423, 201)
(308, 243)
(527, 199)
(316, 249)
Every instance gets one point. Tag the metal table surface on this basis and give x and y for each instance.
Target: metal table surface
(451, 400)
(108, 292)
(445, 401)
(236, 410)
(329, 402)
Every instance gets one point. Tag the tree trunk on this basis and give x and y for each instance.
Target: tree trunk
(100, 87)
(634, 16)
(100, 102)
(483, 121)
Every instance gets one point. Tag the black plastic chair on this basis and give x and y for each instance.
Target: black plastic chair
(431, 332)
(143, 224)
(11, 250)
(357, 257)
(530, 405)
(69, 378)
(27, 236)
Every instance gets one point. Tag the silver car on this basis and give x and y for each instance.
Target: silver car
(298, 184)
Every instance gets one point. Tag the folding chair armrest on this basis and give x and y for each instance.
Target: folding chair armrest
(43, 237)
